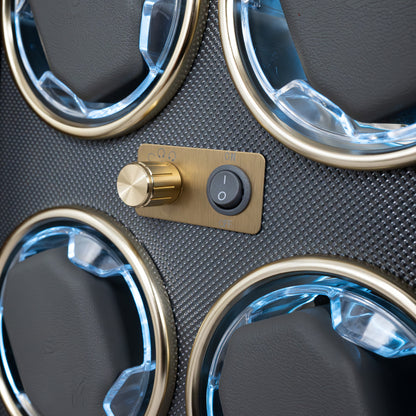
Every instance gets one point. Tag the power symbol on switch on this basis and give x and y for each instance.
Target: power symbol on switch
(228, 190)
(222, 195)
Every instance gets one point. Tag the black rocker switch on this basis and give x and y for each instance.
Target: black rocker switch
(228, 190)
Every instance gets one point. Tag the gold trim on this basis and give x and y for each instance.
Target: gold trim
(179, 65)
(146, 184)
(150, 283)
(364, 275)
(195, 167)
(282, 132)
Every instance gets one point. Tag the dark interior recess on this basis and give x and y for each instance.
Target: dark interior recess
(92, 46)
(71, 333)
(359, 54)
(296, 364)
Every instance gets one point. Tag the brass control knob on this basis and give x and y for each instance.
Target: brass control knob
(145, 184)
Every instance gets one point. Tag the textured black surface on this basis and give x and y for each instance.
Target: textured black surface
(308, 208)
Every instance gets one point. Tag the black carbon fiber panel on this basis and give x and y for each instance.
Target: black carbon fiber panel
(308, 208)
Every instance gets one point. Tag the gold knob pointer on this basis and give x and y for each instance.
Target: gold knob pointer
(145, 184)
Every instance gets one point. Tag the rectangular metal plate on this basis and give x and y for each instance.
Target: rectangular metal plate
(195, 167)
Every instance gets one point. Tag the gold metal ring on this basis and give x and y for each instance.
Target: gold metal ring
(369, 277)
(150, 284)
(179, 64)
(281, 131)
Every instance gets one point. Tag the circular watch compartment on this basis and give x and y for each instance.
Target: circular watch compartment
(366, 311)
(41, 69)
(267, 72)
(96, 248)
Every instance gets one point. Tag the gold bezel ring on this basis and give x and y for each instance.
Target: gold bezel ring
(150, 283)
(179, 65)
(369, 277)
(281, 131)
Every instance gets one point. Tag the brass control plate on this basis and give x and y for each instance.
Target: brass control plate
(195, 167)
